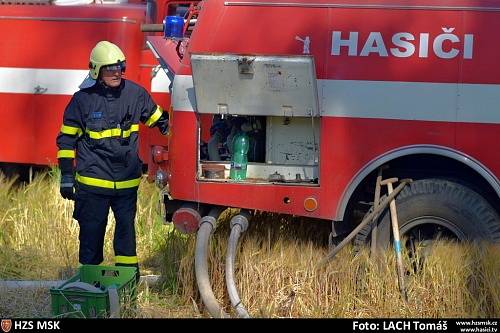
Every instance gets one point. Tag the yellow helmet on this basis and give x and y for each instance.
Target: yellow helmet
(104, 53)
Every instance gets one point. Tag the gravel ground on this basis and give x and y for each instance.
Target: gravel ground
(25, 302)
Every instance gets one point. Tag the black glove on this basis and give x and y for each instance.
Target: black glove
(162, 123)
(67, 187)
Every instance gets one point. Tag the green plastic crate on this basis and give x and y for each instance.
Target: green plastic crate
(80, 303)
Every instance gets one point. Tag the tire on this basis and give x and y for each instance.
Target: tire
(435, 208)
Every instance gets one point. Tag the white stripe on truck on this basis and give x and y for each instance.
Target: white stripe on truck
(40, 80)
(450, 102)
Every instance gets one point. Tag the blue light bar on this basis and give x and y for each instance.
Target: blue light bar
(173, 27)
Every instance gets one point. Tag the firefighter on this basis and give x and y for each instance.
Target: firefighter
(100, 129)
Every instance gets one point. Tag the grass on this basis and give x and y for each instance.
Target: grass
(276, 270)
(279, 277)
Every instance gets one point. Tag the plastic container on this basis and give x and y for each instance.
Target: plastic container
(239, 159)
(76, 302)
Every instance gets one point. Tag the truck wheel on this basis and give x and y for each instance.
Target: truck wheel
(430, 209)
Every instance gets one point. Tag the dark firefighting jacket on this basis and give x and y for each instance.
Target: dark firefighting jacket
(100, 128)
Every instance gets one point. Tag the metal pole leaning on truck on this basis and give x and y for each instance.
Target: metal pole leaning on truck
(395, 234)
(370, 217)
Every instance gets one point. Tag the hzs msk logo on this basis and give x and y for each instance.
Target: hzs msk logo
(6, 325)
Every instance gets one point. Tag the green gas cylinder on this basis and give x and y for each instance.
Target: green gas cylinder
(239, 159)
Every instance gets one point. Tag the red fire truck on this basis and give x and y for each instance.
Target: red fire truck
(328, 97)
(45, 48)
(330, 92)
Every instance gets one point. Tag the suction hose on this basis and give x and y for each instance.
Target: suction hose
(239, 224)
(207, 225)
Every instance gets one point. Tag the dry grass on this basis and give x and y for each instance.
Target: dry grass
(279, 277)
(39, 238)
(276, 265)
(39, 241)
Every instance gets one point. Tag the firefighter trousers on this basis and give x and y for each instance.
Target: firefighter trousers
(91, 212)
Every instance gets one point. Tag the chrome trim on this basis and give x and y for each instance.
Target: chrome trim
(69, 19)
(356, 6)
(413, 150)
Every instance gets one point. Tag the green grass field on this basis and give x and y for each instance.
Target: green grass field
(276, 269)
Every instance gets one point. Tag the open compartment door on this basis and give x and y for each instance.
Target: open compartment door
(255, 85)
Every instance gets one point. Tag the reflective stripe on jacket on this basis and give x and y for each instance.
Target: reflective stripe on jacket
(100, 128)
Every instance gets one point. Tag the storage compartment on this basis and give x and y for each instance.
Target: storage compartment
(264, 118)
(278, 149)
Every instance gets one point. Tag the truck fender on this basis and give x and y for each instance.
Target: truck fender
(412, 150)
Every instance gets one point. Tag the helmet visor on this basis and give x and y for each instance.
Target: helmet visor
(120, 66)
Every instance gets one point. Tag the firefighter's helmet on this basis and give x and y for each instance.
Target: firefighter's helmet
(104, 53)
